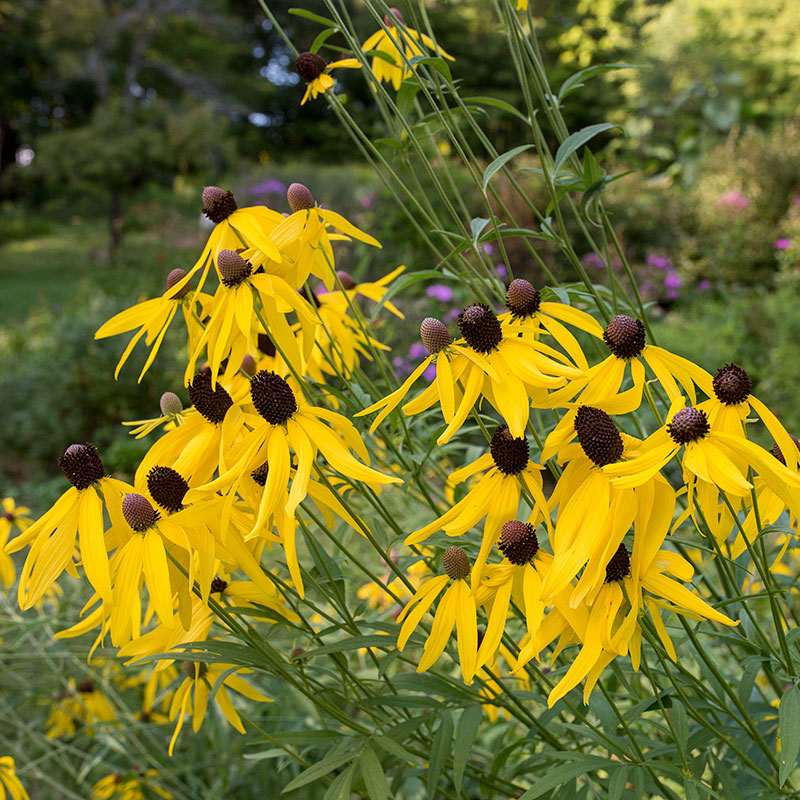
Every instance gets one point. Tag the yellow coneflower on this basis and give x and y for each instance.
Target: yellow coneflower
(456, 608)
(9, 782)
(522, 5)
(82, 706)
(138, 784)
(79, 511)
(13, 516)
(315, 71)
(192, 695)
(392, 43)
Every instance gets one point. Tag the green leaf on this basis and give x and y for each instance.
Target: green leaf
(318, 770)
(681, 724)
(555, 777)
(477, 225)
(576, 140)
(616, 783)
(340, 787)
(493, 101)
(437, 63)
(440, 749)
(301, 12)
(789, 732)
(592, 174)
(501, 161)
(395, 748)
(574, 81)
(352, 643)
(372, 773)
(468, 724)
(322, 36)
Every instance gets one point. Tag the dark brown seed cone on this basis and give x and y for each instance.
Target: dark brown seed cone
(167, 487)
(249, 365)
(232, 267)
(620, 565)
(299, 197)
(522, 299)
(510, 455)
(174, 278)
(434, 334)
(455, 563)
(85, 687)
(732, 385)
(138, 512)
(625, 336)
(218, 204)
(170, 403)
(82, 465)
(272, 397)
(776, 451)
(213, 404)
(266, 345)
(598, 436)
(309, 67)
(346, 279)
(194, 669)
(518, 542)
(480, 327)
(259, 474)
(391, 19)
(688, 425)
(310, 296)
(218, 585)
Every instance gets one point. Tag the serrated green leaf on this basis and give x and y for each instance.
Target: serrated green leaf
(577, 140)
(574, 81)
(301, 12)
(788, 732)
(440, 749)
(501, 161)
(467, 730)
(372, 772)
(318, 770)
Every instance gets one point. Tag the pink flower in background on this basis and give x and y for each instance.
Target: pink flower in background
(782, 244)
(439, 292)
(592, 260)
(673, 281)
(704, 285)
(366, 202)
(659, 262)
(430, 373)
(502, 271)
(488, 249)
(453, 314)
(402, 367)
(672, 294)
(417, 351)
(796, 200)
(733, 200)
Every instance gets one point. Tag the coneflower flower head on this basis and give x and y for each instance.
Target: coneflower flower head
(138, 512)
(625, 336)
(776, 450)
(522, 298)
(232, 267)
(619, 566)
(310, 66)
(213, 404)
(170, 403)
(598, 436)
(518, 542)
(272, 397)
(299, 197)
(510, 454)
(732, 385)
(266, 345)
(480, 327)
(174, 278)
(167, 487)
(434, 334)
(259, 474)
(688, 425)
(248, 365)
(394, 16)
(81, 465)
(456, 563)
(218, 204)
(346, 279)
(194, 669)
(218, 585)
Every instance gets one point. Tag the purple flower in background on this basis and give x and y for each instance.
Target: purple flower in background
(593, 260)
(453, 314)
(733, 200)
(366, 202)
(672, 294)
(440, 292)
(402, 367)
(269, 186)
(783, 244)
(430, 373)
(673, 281)
(488, 249)
(417, 351)
(659, 262)
(502, 271)
(704, 285)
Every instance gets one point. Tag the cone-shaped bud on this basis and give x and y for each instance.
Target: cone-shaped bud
(310, 66)
(167, 487)
(232, 268)
(688, 425)
(510, 455)
(346, 279)
(259, 474)
(480, 327)
(299, 197)
(625, 336)
(456, 563)
(776, 451)
(394, 16)
(218, 585)
(272, 397)
(194, 669)
(249, 365)
(518, 542)
(732, 385)
(266, 345)
(434, 334)
(598, 436)
(522, 299)
(218, 204)
(213, 404)
(138, 512)
(170, 403)
(174, 278)
(82, 465)
(620, 565)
